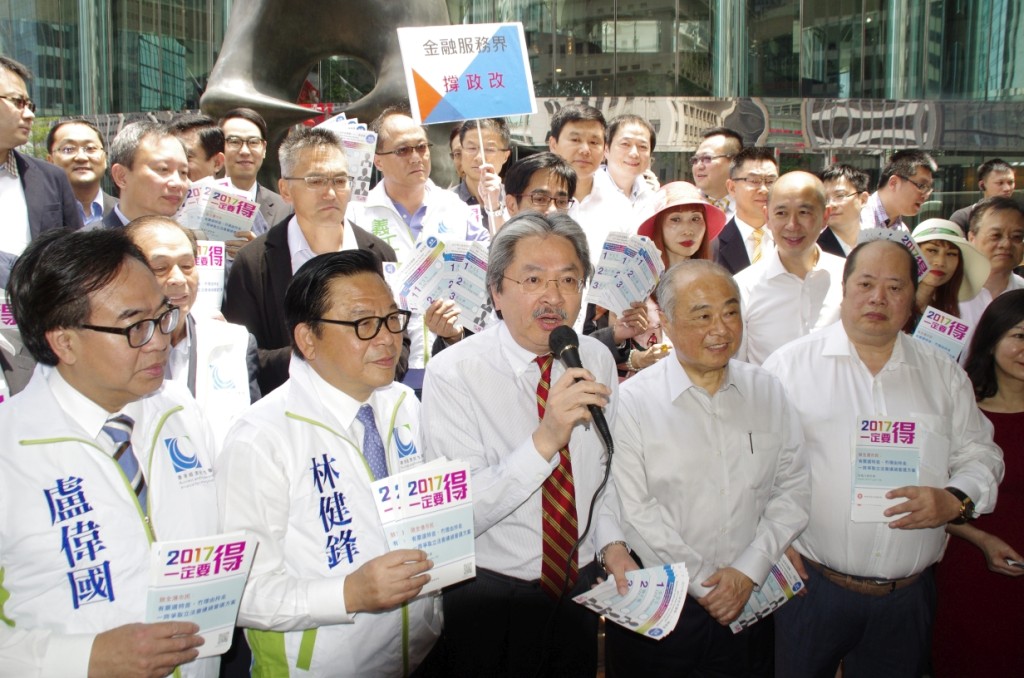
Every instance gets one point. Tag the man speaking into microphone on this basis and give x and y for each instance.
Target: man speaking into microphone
(502, 401)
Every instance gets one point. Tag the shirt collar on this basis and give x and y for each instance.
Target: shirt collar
(679, 381)
(837, 343)
(89, 416)
(11, 166)
(520, 360)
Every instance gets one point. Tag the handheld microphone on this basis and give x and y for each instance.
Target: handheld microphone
(564, 344)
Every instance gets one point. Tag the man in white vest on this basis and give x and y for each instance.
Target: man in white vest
(326, 597)
(216, 360)
(98, 458)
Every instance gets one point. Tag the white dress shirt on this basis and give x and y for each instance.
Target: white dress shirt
(712, 481)
(14, 232)
(971, 311)
(779, 306)
(830, 388)
(605, 209)
(480, 405)
(300, 250)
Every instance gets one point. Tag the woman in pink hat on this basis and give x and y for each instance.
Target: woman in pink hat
(683, 224)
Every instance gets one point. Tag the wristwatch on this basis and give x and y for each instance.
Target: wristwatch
(966, 507)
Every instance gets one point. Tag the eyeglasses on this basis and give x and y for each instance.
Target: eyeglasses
(20, 102)
(406, 151)
(924, 189)
(236, 143)
(489, 151)
(839, 197)
(757, 182)
(139, 334)
(534, 284)
(317, 183)
(542, 200)
(706, 159)
(369, 327)
(71, 151)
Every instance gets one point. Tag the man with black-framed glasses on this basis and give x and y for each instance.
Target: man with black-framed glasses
(406, 208)
(907, 181)
(35, 196)
(100, 457)
(296, 472)
(314, 180)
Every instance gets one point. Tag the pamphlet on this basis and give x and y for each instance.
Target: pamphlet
(627, 271)
(455, 270)
(430, 507)
(943, 331)
(887, 455)
(200, 580)
(651, 607)
(782, 584)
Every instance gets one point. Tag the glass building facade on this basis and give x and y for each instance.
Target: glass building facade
(848, 80)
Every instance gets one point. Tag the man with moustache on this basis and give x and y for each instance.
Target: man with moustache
(906, 182)
(700, 429)
(795, 289)
(77, 147)
(745, 240)
(98, 455)
(869, 600)
(533, 484)
(150, 168)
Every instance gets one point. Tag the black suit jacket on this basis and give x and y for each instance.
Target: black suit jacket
(255, 296)
(272, 206)
(829, 242)
(48, 195)
(730, 250)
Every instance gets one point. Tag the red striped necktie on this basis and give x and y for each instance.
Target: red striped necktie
(558, 507)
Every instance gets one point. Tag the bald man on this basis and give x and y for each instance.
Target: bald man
(796, 288)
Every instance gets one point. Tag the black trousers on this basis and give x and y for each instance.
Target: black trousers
(500, 626)
(699, 646)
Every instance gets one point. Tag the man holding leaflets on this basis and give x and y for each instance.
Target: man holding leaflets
(897, 450)
(99, 456)
(326, 597)
(405, 209)
(503, 403)
(702, 429)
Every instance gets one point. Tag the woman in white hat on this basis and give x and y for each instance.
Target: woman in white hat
(957, 270)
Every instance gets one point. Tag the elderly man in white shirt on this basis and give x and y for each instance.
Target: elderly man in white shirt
(795, 289)
(870, 594)
(703, 430)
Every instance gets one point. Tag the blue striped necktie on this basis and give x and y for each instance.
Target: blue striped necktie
(119, 429)
(373, 446)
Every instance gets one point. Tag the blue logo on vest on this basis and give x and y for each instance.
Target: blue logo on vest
(404, 449)
(181, 460)
(220, 382)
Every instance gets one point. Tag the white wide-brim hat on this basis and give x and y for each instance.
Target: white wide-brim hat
(976, 264)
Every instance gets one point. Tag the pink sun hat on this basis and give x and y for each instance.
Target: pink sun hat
(679, 193)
